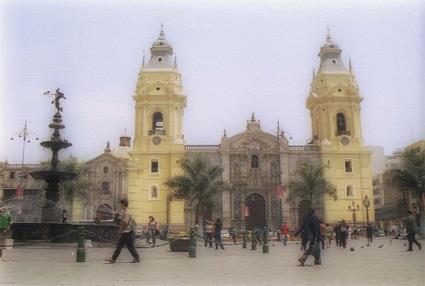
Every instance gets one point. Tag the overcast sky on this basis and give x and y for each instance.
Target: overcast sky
(235, 58)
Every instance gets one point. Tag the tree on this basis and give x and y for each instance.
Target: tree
(309, 185)
(77, 188)
(410, 178)
(199, 184)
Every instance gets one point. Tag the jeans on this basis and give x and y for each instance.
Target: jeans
(218, 242)
(411, 238)
(208, 239)
(151, 234)
(127, 239)
(285, 239)
(314, 250)
(343, 239)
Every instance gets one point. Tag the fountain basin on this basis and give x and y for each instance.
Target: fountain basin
(63, 232)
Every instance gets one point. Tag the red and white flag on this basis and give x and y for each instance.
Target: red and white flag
(245, 210)
(19, 192)
(279, 191)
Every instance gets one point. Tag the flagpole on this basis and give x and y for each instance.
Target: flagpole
(279, 222)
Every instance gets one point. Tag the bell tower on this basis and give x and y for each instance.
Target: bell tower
(158, 143)
(334, 104)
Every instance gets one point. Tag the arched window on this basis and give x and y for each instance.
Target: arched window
(349, 192)
(254, 161)
(157, 121)
(105, 188)
(340, 122)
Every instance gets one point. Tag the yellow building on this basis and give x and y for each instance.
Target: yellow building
(253, 161)
(158, 143)
(334, 104)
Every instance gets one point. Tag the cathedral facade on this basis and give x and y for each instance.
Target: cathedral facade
(254, 162)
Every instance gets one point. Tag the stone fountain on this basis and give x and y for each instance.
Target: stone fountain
(53, 176)
(51, 226)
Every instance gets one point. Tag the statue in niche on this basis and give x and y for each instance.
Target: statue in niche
(255, 179)
(236, 169)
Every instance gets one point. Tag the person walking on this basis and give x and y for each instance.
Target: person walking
(311, 227)
(257, 234)
(411, 229)
(5, 221)
(209, 228)
(126, 233)
(152, 230)
(284, 230)
(337, 230)
(217, 234)
(328, 235)
(369, 232)
(233, 233)
(343, 228)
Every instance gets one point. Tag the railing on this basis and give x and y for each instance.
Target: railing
(303, 148)
(202, 147)
(343, 132)
(157, 131)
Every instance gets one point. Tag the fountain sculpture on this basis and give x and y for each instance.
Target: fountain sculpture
(50, 211)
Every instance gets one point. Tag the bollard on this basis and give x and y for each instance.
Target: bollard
(192, 243)
(244, 239)
(265, 241)
(81, 251)
(253, 241)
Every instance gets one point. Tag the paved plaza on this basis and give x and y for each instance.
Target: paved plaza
(54, 264)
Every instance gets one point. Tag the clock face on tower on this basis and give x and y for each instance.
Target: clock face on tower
(345, 140)
(156, 140)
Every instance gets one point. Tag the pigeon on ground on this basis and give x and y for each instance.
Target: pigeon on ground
(368, 244)
(351, 248)
(362, 246)
(381, 246)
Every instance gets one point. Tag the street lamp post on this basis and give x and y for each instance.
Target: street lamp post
(25, 135)
(366, 203)
(354, 208)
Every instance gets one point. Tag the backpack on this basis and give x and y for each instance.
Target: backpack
(132, 223)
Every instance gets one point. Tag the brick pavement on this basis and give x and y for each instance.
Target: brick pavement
(55, 265)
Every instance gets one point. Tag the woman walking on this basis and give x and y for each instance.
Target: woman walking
(152, 230)
(328, 234)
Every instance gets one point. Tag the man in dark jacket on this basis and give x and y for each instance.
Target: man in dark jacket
(343, 234)
(411, 229)
(311, 228)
